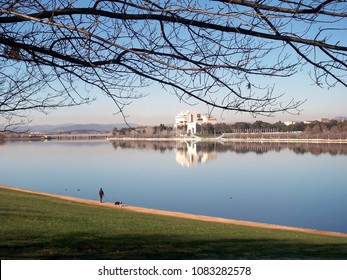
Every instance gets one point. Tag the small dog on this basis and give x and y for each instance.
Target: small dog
(119, 203)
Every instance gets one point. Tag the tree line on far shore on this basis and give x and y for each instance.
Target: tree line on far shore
(331, 128)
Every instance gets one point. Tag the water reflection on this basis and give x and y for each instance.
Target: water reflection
(161, 146)
(287, 184)
(298, 148)
(191, 154)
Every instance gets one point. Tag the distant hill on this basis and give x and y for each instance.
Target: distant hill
(340, 118)
(74, 128)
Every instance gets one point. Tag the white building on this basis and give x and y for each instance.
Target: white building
(288, 123)
(184, 118)
(324, 120)
(193, 119)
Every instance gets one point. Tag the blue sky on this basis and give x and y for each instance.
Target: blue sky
(161, 107)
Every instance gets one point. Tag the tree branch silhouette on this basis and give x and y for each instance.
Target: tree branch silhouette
(215, 52)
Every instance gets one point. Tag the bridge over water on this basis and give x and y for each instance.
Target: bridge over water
(76, 136)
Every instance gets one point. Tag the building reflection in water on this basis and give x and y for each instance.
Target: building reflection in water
(190, 154)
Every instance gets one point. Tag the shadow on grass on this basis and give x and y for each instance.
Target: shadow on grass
(79, 246)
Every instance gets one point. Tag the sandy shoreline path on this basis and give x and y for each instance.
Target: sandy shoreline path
(180, 215)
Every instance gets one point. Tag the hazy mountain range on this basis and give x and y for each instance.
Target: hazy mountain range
(340, 118)
(73, 128)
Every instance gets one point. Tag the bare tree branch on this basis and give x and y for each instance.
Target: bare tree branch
(212, 51)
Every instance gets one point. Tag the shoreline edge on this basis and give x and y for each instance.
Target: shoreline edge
(180, 214)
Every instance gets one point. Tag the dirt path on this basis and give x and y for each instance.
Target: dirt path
(181, 215)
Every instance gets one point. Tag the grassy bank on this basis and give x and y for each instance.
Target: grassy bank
(39, 227)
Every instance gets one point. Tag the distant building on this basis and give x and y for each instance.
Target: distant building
(288, 123)
(323, 119)
(184, 118)
(193, 120)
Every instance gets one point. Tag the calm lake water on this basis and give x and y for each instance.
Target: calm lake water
(297, 185)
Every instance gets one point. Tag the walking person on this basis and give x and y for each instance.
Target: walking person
(101, 194)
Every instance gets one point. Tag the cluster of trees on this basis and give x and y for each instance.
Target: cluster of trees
(258, 126)
(332, 126)
(162, 131)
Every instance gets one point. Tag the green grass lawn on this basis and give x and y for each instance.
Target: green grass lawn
(39, 227)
